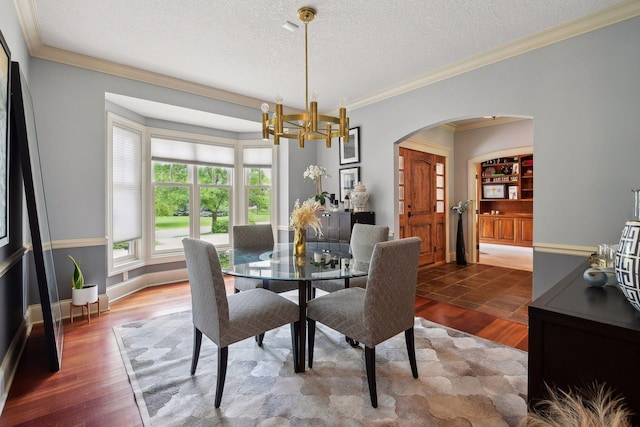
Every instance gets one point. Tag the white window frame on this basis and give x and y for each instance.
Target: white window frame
(178, 255)
(145, 247)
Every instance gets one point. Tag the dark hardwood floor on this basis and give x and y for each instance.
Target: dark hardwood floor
(92, 387)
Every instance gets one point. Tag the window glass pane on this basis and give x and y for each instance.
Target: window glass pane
(214, 215)
(161, 172)
(214, 175)
(170, 172)
(257, 176)
(122, 250)
(171, 217)
(259, 206)
(180, 173)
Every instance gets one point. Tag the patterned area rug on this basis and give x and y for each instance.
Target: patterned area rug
(463, 380)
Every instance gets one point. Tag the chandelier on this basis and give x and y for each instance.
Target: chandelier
(308, 125)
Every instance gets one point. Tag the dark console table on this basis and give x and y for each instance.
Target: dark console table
(580, 334)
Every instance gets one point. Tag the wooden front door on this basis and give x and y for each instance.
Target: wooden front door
(423, 208)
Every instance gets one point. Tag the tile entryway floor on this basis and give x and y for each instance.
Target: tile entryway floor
(500, 291)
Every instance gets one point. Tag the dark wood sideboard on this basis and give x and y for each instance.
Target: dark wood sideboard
(337, 226)
(579, 334)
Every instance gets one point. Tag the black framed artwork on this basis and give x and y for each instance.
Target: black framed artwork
(349, 177)
(350, 150)
(5, 90)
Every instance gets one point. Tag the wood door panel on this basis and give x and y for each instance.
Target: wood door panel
(487, 228)
(507, 229)
(420, 218)
(525, 229)
(424, 232)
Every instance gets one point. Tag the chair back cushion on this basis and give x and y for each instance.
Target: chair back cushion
(210, 307)
(363, 238)
(253, 236)
(389, 304)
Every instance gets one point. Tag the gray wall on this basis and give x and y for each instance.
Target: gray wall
(583, 95)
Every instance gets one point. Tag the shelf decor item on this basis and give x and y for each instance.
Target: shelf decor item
(359, 197)
(303, 216)
(628, 257)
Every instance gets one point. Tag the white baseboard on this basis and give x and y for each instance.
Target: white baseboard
(128, 287)
(12, 359)
(34, 312)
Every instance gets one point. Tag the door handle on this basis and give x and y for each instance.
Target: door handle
(409, 215)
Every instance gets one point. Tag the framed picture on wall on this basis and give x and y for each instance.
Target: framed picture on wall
(349, 177)
(350, 150)
(5, 83)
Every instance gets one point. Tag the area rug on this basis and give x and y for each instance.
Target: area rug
(463, 380)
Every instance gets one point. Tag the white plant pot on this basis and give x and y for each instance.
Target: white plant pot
(87, 295)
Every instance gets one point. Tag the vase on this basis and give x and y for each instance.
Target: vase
(359, 197)
(461, 253)
(299, 267)
(300, 242)
(628, 263)
(86, 295)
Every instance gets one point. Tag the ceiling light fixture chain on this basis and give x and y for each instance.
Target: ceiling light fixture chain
(310, 125)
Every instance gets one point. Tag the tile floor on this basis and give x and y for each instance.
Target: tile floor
(500, 291)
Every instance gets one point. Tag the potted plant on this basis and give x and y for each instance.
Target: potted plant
(81, 294)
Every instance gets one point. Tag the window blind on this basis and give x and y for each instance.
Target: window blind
(176, 151)
(256, 157)
(127, 184)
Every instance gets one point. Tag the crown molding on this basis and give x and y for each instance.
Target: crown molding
(612, 15)
(27, 15)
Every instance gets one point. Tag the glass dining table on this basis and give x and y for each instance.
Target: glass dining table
(322, 261)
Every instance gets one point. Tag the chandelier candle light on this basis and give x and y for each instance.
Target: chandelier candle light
(308, 125)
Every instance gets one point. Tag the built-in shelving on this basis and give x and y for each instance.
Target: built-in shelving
(505, 207)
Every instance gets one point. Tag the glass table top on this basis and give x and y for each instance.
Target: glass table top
(279, 263)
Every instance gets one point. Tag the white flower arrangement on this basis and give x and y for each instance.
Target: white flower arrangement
(315, 173)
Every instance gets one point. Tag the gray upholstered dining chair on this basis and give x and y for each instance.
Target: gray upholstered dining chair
(252, 237)
(363, 238)
(229, 319)
(378, 312)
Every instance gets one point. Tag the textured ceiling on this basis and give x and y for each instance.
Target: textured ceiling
(358, 48)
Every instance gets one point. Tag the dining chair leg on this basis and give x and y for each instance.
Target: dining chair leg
(295, 330)
(197, 342)
(311, 331)
(259, 339)
(411, 350)
(223, 355)
(370, 363)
